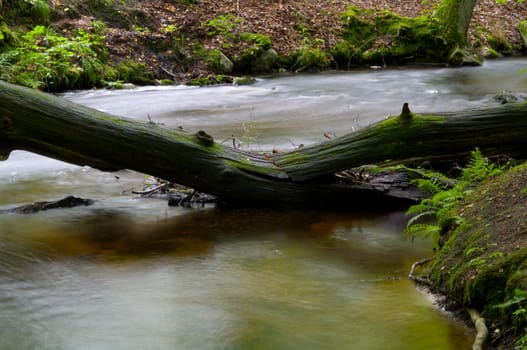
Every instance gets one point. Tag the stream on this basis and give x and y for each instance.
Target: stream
(133, 273)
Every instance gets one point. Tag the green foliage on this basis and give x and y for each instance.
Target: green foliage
(499, 43)
(256, 56)
(386, 38)
(7, 37)
(444, 199)
(345, 53)
(223, 25)
(47, 60)
(213, 60)
(260, 41)
(227, 30)
(41, 11)
(312, 58)
(516, 306)
(133, 72)
(211, 80)
(479, 168)
(423, 230)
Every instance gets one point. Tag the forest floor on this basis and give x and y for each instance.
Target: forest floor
(288, 23)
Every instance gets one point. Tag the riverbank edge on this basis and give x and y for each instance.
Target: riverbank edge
(481, 263)
(201, 43)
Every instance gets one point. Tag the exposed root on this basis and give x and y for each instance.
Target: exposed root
(481, 329)
(478, 321)
(421, 280)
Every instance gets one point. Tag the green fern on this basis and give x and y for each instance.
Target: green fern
(429, 185)
(445, 198)
(479, 168)
(420, 216)
(423, 230)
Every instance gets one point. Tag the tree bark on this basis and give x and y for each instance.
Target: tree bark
(456, 16)
(42, 123)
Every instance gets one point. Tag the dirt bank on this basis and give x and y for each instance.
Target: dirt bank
(165, 34)
(482, 261)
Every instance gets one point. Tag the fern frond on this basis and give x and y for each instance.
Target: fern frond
(414, 219)
(418, 208)
(423, 230)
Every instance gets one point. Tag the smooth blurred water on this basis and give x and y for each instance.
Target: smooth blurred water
(133, 273)
(212, 279)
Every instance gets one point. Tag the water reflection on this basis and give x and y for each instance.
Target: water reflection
(214, 279)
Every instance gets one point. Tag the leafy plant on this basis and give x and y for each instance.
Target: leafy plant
(517, 303)
(223, 25)
(249, 133)
(444, 197)
(47, 60)
(262, 42)
(312, 58)
(41, 10)
(479, 168)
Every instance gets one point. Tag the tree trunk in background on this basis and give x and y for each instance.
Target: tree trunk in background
(45, 124)
(456, 16)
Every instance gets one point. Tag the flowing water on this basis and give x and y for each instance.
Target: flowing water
(132, 273)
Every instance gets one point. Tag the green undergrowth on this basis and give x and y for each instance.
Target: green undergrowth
(478, 221)
(387, 38)
(45, 59)
(245, 49)
(445, 196)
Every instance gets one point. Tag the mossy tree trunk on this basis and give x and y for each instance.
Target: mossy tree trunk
(455, 16)
(45, 124)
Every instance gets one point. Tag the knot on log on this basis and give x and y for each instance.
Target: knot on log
(204, 139)
(405, 115)
(4, 124)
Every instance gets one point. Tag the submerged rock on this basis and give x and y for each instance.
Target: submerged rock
(66, 202)
(506, 96)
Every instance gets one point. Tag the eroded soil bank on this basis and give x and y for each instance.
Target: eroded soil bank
(482, 263)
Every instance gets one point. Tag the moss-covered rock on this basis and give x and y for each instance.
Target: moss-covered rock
(134, 72)
(211, 80)
(218, 62)
(490, 53)
(257, 56)
(388, 38)
(464, 57)
(245, 80)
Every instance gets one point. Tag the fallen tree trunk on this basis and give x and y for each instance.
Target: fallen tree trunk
(54, 127)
